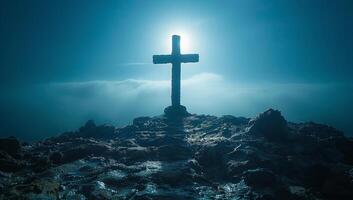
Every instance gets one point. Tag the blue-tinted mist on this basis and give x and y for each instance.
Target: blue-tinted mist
(64, 62)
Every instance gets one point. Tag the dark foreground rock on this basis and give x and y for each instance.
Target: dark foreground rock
(197, 157)
(10, 145)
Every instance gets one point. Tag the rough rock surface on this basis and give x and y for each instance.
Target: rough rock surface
(198, 157)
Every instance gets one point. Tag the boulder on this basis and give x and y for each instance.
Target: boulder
(213, 159)
(90, 124)
(90, 129)
(270, 124)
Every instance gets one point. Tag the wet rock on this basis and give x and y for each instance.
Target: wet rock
(56, 157)
(89, 130)
(159, 141)
(319, 130)
(134, 154)
(10, 145)
(173, 177)
(192, 157)
(270, 124)
(234, 120)
(83, 151)
(38, 189)
(174, 152)
(298, 192)
(213, 159)
(260, 178)
(141, 121)
(235, 168)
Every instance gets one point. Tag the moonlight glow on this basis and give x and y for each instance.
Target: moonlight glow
(185, 41)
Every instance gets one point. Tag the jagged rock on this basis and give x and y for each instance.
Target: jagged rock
(235, 168)
(90, 125)
(319, 130)
(134, 154)
(174, 152)
(83, 151)
(271, 124)
(159, 141)
(141, 121)
(234, 120)
(90, 129)
(212, 158)
(189, 157)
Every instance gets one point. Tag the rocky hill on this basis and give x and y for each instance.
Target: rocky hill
(197, 157)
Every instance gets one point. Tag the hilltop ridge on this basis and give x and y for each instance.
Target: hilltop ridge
(196, 157)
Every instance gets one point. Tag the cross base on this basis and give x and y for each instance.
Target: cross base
(176, 112)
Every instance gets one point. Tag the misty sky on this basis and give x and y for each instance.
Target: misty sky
(64, 62)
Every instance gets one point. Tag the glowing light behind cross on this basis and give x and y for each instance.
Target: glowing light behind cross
(188, 43)
(185, 42)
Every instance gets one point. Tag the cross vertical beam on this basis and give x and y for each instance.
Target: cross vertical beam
(176, 71)
(176, 58)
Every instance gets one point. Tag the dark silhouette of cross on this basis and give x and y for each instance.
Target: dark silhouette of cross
(176, 59)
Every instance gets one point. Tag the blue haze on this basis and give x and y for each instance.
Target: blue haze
(64, 62)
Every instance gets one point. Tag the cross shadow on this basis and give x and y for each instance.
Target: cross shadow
(175, 126)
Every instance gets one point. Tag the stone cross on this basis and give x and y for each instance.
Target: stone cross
(176, 58)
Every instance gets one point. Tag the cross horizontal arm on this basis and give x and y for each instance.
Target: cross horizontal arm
(162, 59)
(185, 58)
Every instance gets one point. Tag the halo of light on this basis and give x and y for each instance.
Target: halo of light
(185, 41)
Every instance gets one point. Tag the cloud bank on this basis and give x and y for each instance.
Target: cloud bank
(49, 109)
